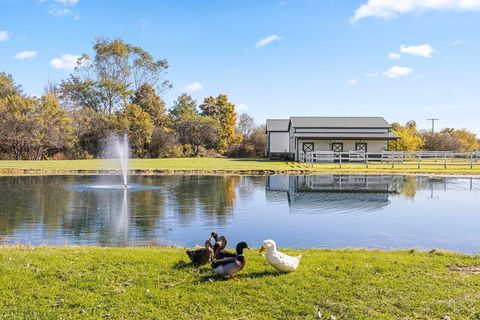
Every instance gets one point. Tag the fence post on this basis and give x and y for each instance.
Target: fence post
(445, 160)
(471, 160)
(340, 161)
(393, 158)
(419, 158)
(366, 158)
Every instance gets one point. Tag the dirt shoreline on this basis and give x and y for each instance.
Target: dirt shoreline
(241, 172)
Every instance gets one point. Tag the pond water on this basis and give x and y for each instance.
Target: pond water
(326, 211)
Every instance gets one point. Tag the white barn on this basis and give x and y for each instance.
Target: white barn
(287, 138)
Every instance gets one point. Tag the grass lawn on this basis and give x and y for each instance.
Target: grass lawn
(150, 283)
(215, 165)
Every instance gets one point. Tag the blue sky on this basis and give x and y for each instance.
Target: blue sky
(401, 59)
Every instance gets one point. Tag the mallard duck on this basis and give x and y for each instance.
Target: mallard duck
(229, 266)
(219, 251)
(201, 256)
(278, 260)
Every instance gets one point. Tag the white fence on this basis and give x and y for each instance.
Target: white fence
(440, 158)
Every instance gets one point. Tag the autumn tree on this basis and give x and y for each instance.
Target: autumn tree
(224, 111)
(8, 86)
(53, 128)
(410, 139)
(150, 102)
(441, 141)
(468, 139)
(184, 106)
(199, 131)
(106, 81)
(32, 128)
(139, 126)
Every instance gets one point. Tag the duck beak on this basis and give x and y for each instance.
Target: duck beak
(262, 248)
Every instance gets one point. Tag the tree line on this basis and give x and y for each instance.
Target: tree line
(116, 91)
(448, 139)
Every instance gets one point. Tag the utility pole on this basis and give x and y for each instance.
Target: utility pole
(433, 123)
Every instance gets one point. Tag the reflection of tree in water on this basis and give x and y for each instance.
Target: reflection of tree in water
(247, 185)
(213, 196)
(409, 187)
(26, 201)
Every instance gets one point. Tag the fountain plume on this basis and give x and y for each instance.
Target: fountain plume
(121, 149)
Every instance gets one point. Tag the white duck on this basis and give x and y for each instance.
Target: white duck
(278, 260)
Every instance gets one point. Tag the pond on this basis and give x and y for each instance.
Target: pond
(325, 211)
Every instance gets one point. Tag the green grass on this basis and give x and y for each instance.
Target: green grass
(217, 165)
(150, 283)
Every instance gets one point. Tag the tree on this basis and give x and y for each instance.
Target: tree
(410, 139)
(8, 86)
(468, 139)
(117, 70)
(441, 141)
(54, 131)
(245, 125)
(150, 102)
(224, 111)
(164, 143)
(184, 106)
(139, 126)
(16, 123)
(33, 129)
(198, 131)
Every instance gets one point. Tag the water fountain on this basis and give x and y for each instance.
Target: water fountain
(117, 147)
(122, 148)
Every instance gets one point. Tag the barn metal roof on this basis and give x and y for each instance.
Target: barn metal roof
(339, 122)
(278, 124)
(363, 136)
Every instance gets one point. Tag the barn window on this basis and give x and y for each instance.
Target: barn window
(307, 147)
(337, 147)
(361, 146)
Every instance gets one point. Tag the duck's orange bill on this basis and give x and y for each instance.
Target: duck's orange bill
(261, 249)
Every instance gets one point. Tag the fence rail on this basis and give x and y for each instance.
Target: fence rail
(419, 158)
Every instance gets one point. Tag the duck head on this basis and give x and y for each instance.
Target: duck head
(214, 235)
(241, 246)
(268, 245)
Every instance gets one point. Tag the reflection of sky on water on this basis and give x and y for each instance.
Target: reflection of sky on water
(297, 211)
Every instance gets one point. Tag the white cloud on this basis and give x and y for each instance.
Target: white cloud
(65, 62)
(263, 42)
(352, 82)
(394, 56)
(371, 74)
(457, 42)
(194, 86)
(423, 50)
(25, 55)
(242, 107)
(3, 36)
(388, 9)
(397, 72)
(67, 2)
(60, 11)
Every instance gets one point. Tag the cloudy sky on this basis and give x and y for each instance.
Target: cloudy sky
(401, 59)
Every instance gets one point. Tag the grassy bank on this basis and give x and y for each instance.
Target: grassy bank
(216, 166)
(150, 283)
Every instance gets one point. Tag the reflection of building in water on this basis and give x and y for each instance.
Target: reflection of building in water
(333, 192)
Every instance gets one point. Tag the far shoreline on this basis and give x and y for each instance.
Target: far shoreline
(222, 167)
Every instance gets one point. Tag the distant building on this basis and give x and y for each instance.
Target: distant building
(286, 138)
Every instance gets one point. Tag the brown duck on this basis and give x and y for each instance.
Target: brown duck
(219, 251)
(201, 256)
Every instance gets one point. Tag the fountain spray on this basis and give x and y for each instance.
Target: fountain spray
(122, 148)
